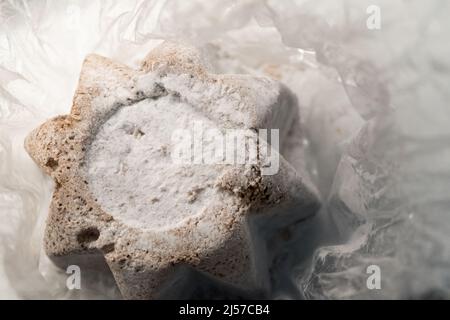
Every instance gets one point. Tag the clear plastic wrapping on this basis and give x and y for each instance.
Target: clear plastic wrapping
(374, 106)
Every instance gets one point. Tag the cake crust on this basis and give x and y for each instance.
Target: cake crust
(218, 240)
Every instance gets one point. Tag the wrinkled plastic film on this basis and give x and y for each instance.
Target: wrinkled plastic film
(373, 106)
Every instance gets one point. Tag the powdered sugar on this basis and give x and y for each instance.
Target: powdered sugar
(130, 169)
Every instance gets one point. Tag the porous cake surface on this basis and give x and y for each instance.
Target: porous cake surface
(131, 171)
(121, 195)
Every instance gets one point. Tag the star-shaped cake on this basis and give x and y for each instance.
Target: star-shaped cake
(120, 197)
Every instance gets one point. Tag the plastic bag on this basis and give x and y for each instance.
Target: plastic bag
(347, 77)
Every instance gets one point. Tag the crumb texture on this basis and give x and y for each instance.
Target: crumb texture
(135, 186)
